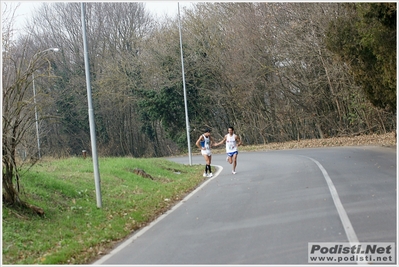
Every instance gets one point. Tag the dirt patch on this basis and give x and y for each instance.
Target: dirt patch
(141, 173)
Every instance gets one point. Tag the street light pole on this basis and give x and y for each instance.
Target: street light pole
(36, 117)
(184, 90)
(97, 180)
(34, 100)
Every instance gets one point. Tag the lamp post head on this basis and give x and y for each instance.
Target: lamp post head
(54, 49)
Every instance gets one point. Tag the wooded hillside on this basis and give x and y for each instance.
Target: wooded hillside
(275, 71)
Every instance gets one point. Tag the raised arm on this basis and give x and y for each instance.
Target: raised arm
(221, 142)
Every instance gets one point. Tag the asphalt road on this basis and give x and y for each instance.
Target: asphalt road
(269, 211)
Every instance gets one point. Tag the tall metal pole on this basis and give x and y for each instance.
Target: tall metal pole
(91, 113)
(34, 100)
(184, 89)
(36, 116)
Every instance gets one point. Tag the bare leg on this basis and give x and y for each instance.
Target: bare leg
(234, 159)
(208, 159)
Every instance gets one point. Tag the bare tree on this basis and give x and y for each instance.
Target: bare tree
(261, 67)
(18, 110)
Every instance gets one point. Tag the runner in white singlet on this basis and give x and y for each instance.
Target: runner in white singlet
(204, 142)
(232, 142)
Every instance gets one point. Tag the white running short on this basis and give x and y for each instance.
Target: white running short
(206, 152)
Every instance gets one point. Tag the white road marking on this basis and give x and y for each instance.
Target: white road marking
(350, 232)
(148, 227)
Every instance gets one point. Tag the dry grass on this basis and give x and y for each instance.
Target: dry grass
(386, 140)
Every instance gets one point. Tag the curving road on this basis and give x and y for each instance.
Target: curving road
(276, 204)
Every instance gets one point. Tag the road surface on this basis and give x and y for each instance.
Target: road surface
(269, 211)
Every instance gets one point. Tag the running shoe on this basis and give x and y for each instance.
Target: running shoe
(233, 172)
(205, 174)
(210, 175)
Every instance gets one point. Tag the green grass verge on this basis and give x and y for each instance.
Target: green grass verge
(74, 230)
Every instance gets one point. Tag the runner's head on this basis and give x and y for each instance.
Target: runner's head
(231, 130)
(207, 132)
